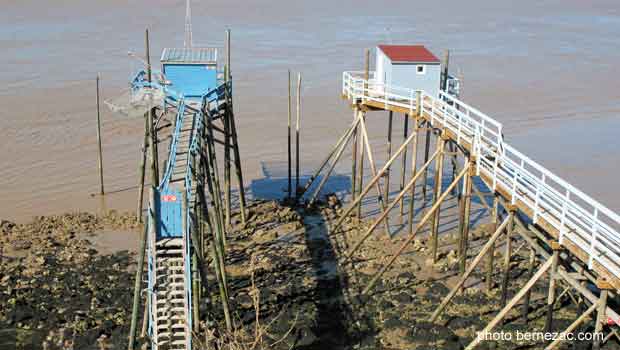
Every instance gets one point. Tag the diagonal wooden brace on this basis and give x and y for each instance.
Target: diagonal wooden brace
(421, 224)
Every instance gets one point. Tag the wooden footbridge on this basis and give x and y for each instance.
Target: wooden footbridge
(189, 209)
(576, 239)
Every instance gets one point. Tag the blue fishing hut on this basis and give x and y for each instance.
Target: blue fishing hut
(190, 71)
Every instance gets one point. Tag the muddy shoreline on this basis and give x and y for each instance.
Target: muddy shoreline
(283, 265)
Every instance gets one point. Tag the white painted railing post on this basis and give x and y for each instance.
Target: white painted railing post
(537, 199)
(563, 216)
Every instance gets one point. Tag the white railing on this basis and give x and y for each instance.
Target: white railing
(577, 217)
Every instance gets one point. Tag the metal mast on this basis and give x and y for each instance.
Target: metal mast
(188, 25)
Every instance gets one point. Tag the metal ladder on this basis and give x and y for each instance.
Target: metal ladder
(169, 299)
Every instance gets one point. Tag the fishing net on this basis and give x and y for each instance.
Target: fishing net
(134, 103)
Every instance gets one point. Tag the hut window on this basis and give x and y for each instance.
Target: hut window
(421, 69)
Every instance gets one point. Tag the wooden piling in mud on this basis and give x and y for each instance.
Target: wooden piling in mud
(403, 167)
(227, 132)
(142, 169)
(507, 255)
(441, 142)
(100, 152)
(465, 216)
(491, 255)
(414, 166)
(552, 282)
(297, 135)
(386, 196)
(289, 137)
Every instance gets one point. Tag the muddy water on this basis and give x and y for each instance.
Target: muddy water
(548, 70)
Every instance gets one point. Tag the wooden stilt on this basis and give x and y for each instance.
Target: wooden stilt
(530, 272)
(290, 186)
(481, 335)
(423, 221)
(373, 169)
(427, 144)
(354, 147)
(363, 192)
(100, 153)
(491, 255)
(470, 270)
(238, 170)
(333, 164)
(414, 165)
(142, 169)
(403, 167)
(360, 175)
(297, 135)
(227, 161)
(507, 256)
(374, 225)
(386, 196)
(151, 117)
(441, 142)
(466, 204)
(573, 326)
(138, 281)
(552, 282)
(345, 135)
(601, 316)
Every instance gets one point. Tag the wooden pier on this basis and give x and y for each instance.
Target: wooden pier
(574, 237)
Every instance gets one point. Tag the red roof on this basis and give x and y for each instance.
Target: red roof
(408, 53)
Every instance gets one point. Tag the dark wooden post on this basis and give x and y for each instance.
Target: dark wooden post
(403, 167)
(552, 282)
(386, 196)
(354, 146)
(530, 272)
(226, 121)
(142, 169)
(427, 145)
(441, 142)
(601, 315)
(466, 204)
(151, 117)
(297, 135)
(491, 255)
(101, 189)
(290, 185)
(508, 253)
(414, 166)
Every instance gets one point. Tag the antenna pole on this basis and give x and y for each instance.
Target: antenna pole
(188, 24)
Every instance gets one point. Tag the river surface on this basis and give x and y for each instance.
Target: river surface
(548, 70)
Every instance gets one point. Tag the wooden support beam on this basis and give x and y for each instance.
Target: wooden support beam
(360, 174)
(365, 191)
(414, 166)
(552, 282)
(290, 184)
(352, 129)
(403, 168)
(541, 271)
(297, 136)
(100, 153)
(491, 255)
(573, 326)
(354, 147)
(507, 256)
(142, 169)
(386, 196)
(335, 161)
(373, 169)
(372, 227)
(601, 316)
(423, 221)
(441, 142)
(464, 220)
(530, 272)
(485, 249)
(427, 144)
